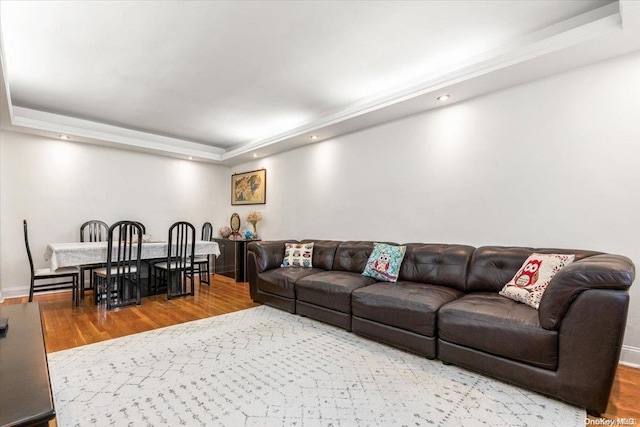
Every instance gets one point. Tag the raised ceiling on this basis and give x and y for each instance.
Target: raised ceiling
(222, 81)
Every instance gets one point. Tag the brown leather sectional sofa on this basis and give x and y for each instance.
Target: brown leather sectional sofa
(445, 304)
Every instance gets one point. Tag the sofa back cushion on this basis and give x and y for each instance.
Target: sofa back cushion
(492, 267)
(352, 256)
(324, 251)
(436, 264)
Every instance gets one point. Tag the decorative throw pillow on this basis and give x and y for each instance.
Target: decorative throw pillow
(297, 255)
(384, 262)
(532, 279)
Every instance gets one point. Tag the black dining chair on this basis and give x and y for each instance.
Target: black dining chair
(201, 263)
(119, 282)
(43, 279)
(150, 263)
(177, 271)
(94, 231)
(91, 231)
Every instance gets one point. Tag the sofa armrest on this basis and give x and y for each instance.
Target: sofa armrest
(263, 256)
(609, 272)
(268, 254)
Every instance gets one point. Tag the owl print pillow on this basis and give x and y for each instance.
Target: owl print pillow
(384, 262)
(297, 255)
(530, 282)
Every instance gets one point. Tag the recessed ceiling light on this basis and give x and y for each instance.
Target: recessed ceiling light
(314, 137)
(64, 137)
(255, 154)
(443, 98)
(189, 158)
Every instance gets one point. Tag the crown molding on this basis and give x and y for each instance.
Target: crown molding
(90, 131)
(594, 24)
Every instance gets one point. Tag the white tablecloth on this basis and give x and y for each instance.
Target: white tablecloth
(81, 253)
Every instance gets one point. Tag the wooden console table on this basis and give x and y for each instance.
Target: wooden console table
(232, 261)
(25, 390)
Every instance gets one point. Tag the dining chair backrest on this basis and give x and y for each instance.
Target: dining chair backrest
(207, 232)
(142, 227)
(26, 244)
(123, 262)
(122, 249)
(94, 231)
(181, 245)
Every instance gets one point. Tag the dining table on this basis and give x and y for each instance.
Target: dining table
(76, 254)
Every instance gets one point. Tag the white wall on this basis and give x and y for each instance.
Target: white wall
(57, 185)
(552, 163)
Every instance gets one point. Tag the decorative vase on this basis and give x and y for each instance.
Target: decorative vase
(225, 231)
(255, 230)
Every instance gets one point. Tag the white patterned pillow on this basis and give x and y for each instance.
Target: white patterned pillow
(530, 282)
(297, 255)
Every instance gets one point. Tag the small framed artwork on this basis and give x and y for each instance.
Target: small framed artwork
(249, 188)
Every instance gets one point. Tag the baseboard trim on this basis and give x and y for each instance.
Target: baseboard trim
(15, 292)
(630, 356)
(23, 291)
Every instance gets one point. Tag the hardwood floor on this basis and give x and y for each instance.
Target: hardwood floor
(67, 327)
(624, 401)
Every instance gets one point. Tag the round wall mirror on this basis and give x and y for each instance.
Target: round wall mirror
(235, 223)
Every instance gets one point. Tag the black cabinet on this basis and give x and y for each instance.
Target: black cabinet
(232, 261)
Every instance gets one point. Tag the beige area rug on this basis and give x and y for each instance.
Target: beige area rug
(265, 367)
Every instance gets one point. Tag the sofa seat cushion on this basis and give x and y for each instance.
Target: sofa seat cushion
(494, 324)
(331, 289)
(406, 305)
(280, 281)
